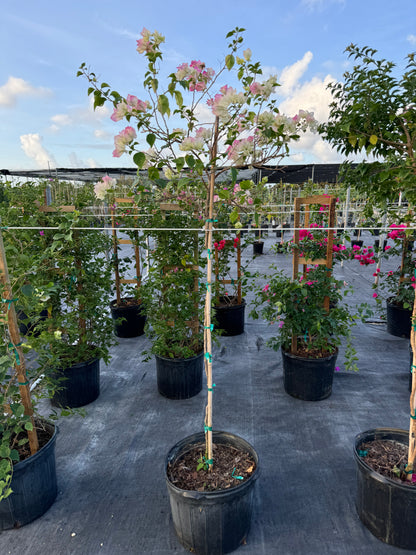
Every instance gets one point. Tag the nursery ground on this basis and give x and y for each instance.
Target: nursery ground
(112, 496)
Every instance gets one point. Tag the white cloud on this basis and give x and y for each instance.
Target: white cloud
(411, 39)
(101, 134)
(291, 74)
(33, 148)
(85, 115)
(16, 87)
(320, 4)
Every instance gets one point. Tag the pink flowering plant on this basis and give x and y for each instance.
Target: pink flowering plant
(397, 285)
(178, 150)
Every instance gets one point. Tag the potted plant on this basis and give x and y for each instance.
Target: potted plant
(248, 124)
(173, 300)
(310, 318)
(397, 285)
(28, 484)
(373, 112)
(80, 333)
(126, 309)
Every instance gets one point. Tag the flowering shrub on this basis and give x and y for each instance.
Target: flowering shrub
(398, 285)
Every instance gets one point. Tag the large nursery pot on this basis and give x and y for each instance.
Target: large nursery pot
(212, 522)
(34, 486)
(179, 378)
(229, 316)
(308, 379)
(398, 319)
(386, 507)
(79, 384)
(129, 318)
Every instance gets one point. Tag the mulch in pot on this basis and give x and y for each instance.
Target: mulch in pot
(388, 458)
(231, 467)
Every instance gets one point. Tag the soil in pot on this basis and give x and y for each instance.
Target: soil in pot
(129, 318)
(34, 482)
(229, 315)
(213, 521)
(386, 501)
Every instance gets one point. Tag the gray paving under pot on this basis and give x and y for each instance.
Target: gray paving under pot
(112, 497)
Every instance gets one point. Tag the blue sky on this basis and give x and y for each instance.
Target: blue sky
(46, 116)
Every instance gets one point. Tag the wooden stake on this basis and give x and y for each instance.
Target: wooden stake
(412, 427)
(207, 312)
(15, 342)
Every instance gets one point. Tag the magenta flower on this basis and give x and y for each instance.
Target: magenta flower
(41, 232)
(375, 295)
(266, 287)
(281, 324)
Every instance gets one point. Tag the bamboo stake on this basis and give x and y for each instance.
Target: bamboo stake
(115, 254)
(15, 342)
(207, 314)
(412, 428)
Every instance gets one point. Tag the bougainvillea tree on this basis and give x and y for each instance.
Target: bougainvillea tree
(196, 124)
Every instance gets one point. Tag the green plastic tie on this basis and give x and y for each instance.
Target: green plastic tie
(211, 327)
(413, 416)
(23, 383)
(208, 356)
(212, 388)
(16, 352)
(9, 302)
(209, 461)
(207, 429)
(4, 227)
(362, 453)
(209, 253)
(208, 285)
(236, 477)
(408, 471)
(211, 220)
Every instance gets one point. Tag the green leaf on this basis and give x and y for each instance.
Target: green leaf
(154, 84)
(373, 139)
(153, 173)
(190, 160)
(151, 138)
(180, 162)
(139, 159)
(14, 455)
(179, 98)
(163, 104)
(229, 61)
(234, 174)
(27, 290)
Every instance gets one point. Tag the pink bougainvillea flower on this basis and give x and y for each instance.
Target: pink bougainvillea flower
(121, 140)
(337, 369)
(41, 232)
(375, 295)
(281, 324)
(266, 287)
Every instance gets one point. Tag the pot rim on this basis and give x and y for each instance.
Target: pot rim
(291, 355)
(198, 438)
(180, 359)
(113, 303)
(228, 306)
(361, 437)
(19, 467)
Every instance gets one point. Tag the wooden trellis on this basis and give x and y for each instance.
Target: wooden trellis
(320, 200)
(116, 241)
(238, 268)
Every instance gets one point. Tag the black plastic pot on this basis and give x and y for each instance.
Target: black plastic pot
(179, 378)
(229, 318)
(129, 320)
(34, 487)
(308, 379)
(398, 320)
(387, 508)
(356, 243)
(79, 384)
(258, 247)
(377, 244)
(216, 522)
